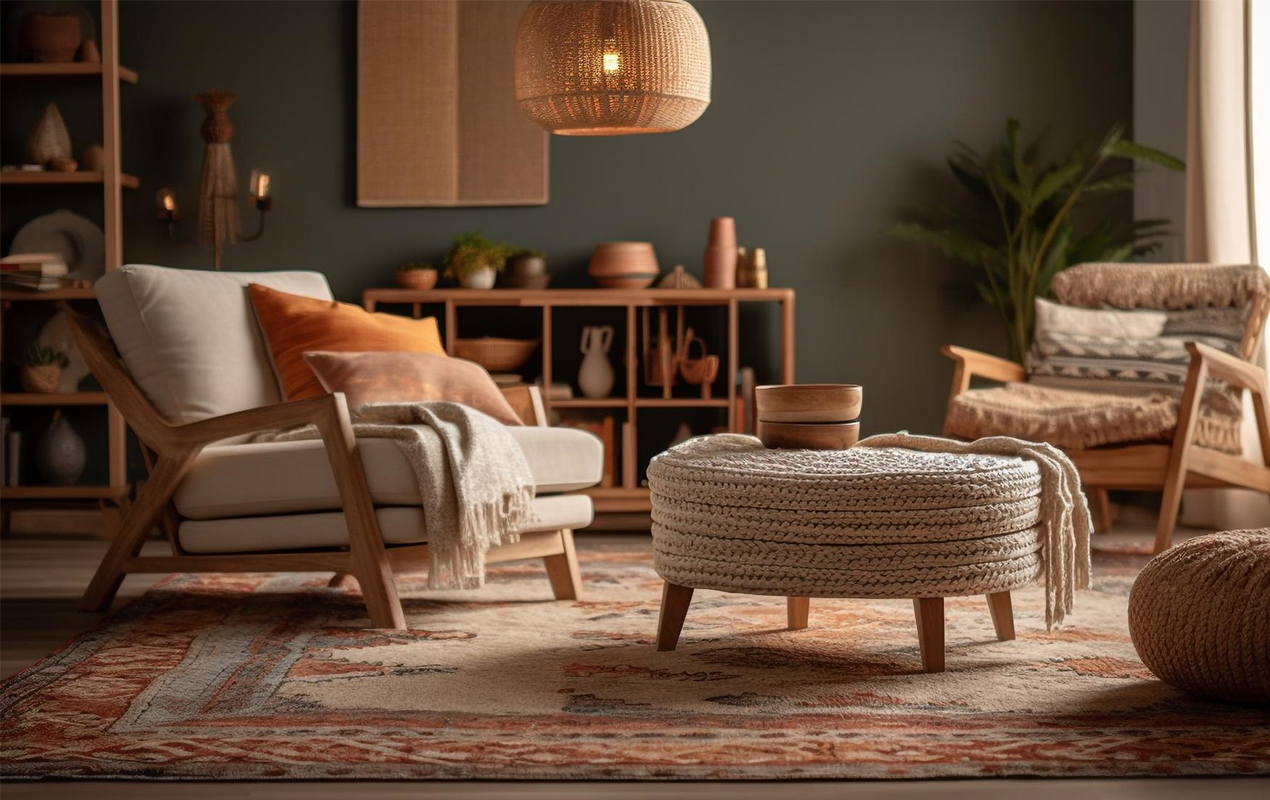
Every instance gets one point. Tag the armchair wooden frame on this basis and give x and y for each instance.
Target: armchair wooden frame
(1169, 468)
(171, 450)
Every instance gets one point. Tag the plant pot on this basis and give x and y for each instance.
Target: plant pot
(51, 38)
(521, 267)
(40, 380)
(418, 279)
(482, 278)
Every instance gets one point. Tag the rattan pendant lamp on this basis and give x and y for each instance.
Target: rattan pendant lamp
(612, 67)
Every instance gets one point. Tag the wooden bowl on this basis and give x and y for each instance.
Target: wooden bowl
(812, 402)
(496, 355)
(624, 265)
(418, 279)
(808, 435)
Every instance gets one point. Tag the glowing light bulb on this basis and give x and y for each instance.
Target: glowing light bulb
(612, 62)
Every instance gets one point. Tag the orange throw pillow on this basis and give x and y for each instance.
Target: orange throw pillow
(293, 324)
(409, 378)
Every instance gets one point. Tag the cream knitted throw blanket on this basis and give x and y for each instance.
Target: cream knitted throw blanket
(1064, 511)
(475, 483)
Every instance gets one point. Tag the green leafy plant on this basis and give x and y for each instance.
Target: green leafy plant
(1017, 228)
(471, 252)
(417, 266)
(42, 355)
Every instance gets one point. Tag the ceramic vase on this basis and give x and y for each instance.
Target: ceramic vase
(482, 278)
(51, 38)
(596, 377)
(60, 456)
(721, 253)
(49, 138)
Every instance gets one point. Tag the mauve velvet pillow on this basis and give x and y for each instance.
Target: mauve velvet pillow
(397, 377)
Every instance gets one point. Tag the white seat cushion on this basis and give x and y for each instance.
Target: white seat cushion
(399, 525)
(189, 337)
(240, 480)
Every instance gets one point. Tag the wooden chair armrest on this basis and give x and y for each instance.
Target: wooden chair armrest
(313, 410)
(984, 365)
(1231, 369)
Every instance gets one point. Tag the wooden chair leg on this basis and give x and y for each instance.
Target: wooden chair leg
(562, 570)
(797, 610)
(136, 526)
(1179, 455)
(1002, 611)
(368, 557)
(930, 631)
(675, 600)
(1101, 502)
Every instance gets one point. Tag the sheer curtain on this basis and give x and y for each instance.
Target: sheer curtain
(1224, 101)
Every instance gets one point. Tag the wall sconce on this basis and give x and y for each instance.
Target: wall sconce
(218, 219)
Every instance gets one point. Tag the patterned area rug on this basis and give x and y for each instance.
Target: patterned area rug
(277, 677)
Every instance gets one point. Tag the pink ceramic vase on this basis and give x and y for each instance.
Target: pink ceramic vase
(722, 232)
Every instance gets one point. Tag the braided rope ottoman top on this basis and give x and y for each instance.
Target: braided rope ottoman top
(930, 518)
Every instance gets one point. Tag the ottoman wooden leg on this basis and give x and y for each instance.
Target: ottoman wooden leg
(797, 610)
(1002, 615)
(674, 607)
(930, 631)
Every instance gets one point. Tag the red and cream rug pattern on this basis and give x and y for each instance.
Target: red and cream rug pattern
(260, 676)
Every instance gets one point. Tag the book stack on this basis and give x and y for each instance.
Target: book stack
(35, 271)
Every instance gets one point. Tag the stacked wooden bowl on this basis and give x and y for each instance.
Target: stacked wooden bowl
(814, 416)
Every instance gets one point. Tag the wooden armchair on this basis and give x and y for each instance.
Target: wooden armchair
(1166, 467)
(174, 451)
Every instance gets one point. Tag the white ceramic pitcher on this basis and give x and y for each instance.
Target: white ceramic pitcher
(595, 377)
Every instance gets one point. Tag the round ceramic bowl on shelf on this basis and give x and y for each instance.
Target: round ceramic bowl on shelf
(811, 402)
(495, 354)
(624, 265)
(808, 435)
(418, 279)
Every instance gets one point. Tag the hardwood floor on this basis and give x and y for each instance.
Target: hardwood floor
(41, 579)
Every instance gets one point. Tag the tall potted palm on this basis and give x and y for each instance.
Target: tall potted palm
(1017, 227)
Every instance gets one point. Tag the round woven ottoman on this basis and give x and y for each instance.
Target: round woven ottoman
(869, 522)
(1199, 616)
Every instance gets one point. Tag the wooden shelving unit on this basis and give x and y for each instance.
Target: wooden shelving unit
(629, 496)
(115, 494)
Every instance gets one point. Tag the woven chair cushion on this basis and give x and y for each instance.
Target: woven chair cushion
(1161, 286)
(1075, 419)
(865, 522)
(1199, 616)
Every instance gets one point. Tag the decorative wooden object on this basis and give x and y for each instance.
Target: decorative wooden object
(629, 497)
(623, 265)
(495, 354)
(437, 121)
(172, 449)
(808, 435)
(113, 496)
(1169, 468)
(218, 218)
(721, 254)
(810, 402)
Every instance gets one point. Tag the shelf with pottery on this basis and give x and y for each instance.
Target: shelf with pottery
(73, 69)
(20, 178)
(83, 59)
(626, 495)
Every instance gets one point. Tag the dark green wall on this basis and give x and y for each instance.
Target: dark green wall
(828, 120)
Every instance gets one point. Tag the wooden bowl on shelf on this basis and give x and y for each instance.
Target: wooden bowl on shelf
(495, 354)
(418, 279)
(808, 435)
(624, 265)
(812, 402)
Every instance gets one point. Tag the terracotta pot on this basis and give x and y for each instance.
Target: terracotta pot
(624, 265)
(51, 38)
(526, 266)
(722, 232)
(417, 279)
(720, 267)
(40, 380)
(94, 158)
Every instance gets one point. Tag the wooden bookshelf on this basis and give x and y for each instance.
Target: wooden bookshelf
(71, 70)
(112, 180)
(629, 496)
(49, 177)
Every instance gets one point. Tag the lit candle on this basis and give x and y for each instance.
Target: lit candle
(259, 184)
(165, 201)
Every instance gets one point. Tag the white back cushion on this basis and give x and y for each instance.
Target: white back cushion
(190, 338)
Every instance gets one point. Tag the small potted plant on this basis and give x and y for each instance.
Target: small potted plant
(418, 275)
(526, 269)
(42, 370)
(475, 261)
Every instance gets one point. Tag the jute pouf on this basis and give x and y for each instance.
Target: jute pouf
(869, 522)
(1199, 615)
